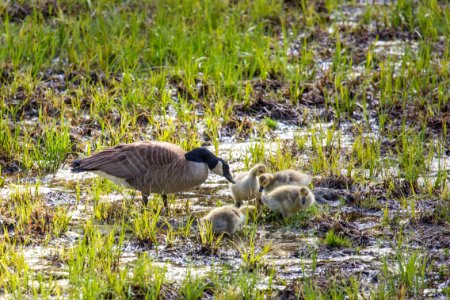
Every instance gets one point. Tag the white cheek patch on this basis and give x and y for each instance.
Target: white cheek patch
(218, 169)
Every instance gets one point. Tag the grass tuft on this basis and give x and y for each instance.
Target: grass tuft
(337, 241)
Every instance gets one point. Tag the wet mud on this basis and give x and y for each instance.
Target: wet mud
(297, 249)
(372, 216)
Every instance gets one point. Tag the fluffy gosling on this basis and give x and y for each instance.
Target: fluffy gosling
(228, 219)
(246, 186)
(288, 199)
(269, 182)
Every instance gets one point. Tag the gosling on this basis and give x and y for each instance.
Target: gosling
(288, 199)
(228, 219)
(269, 182)
(246, 186)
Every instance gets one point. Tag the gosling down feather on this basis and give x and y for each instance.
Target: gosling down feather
(246, 186)
(154, 167)
(268, 182)
(288, 199)
(228, 219)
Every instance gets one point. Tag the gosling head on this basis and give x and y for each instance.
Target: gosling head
(258, 169)
(264, 180)
(216, 164)
(304, 192)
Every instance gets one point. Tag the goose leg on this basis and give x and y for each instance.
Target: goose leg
(166, 205)
(258, 202)
(145, 199)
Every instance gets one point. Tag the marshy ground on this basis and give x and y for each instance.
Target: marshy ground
(355, 93)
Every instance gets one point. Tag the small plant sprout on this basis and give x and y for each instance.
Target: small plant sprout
(335, 240)
(208, 239)
(352, 94)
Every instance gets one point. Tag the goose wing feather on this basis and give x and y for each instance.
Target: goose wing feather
(129, 161)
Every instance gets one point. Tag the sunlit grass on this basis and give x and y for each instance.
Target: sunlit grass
(335, 240)
(80, 76)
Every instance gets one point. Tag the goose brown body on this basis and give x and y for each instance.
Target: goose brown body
(151, 167)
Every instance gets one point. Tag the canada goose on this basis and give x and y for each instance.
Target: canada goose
(227, 219)
(268, 182)
(246, 186)
(288, 199)
(154, 167)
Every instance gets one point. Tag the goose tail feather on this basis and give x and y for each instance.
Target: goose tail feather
(75, 166)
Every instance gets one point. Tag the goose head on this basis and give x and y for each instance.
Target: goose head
(264, 180)
(216, 164)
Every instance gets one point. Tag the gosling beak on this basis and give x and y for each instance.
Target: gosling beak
(261, 188)
(303, 200)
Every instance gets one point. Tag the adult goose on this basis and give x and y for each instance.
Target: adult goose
(154, 167)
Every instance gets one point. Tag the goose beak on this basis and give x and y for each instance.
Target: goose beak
(230, 178)
(303, 200)
(261, 188)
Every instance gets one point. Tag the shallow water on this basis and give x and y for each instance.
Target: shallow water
(291, 249)
(378, 230)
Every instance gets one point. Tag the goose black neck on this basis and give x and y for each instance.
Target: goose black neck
(202, 155)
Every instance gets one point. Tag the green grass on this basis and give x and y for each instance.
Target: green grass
(272, 124)
(252, 257)
(80, 76)
(336, 240)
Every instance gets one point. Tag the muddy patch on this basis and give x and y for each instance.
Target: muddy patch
(325, 107)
